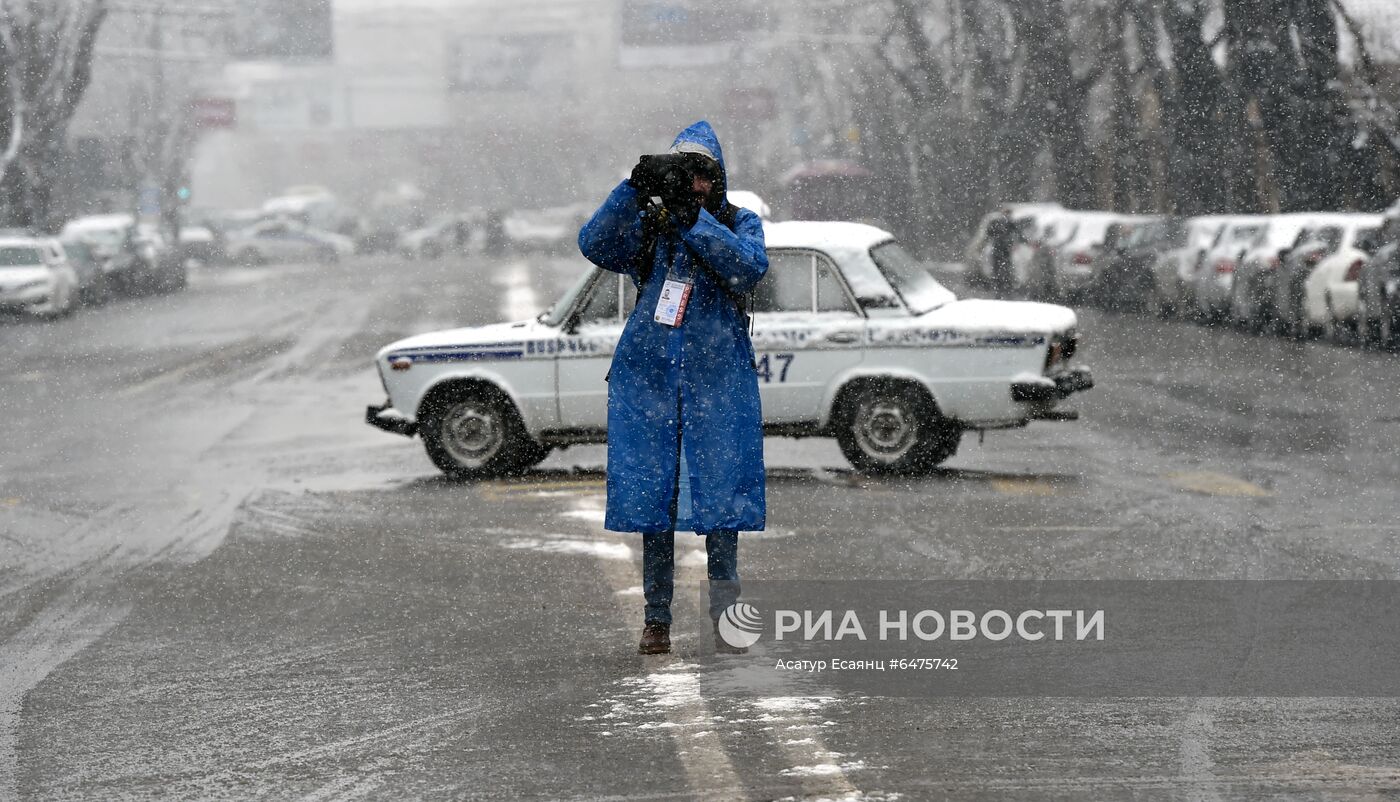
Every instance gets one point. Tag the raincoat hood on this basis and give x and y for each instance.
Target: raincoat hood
(700, 138)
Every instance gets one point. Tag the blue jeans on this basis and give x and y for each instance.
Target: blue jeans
(659, 572)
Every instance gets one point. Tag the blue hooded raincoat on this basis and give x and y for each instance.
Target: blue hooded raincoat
(689, 389)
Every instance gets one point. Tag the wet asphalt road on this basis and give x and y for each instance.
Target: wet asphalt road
(216, 582)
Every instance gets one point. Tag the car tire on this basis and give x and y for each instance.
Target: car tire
(476, 433)
(1154, 305)
(99, 292)
(894, 429)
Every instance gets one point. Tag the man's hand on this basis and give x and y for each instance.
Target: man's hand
(683, 204)
(645, 177)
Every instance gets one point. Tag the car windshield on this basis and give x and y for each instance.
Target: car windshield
(1330, 237)
(77, 249)
(909, 278)
(20, 256)
(555, 314)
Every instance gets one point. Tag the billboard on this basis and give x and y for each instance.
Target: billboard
(681, 33)
(512, 62)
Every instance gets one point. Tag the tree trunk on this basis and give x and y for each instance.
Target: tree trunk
(1059, 97)
(1199, 148)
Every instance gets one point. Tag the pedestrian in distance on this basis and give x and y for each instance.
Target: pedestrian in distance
(685, 433)
(1000, 232)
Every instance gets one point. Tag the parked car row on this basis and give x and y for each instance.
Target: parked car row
(90, 260)
(1304, 274)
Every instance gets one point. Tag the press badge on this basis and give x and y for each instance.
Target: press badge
(670, 307)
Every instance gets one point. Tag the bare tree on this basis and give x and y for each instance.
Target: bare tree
(46, 49)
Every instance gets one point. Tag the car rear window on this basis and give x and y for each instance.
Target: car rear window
(20, 256)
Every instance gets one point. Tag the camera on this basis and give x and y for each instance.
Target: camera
(670, 174)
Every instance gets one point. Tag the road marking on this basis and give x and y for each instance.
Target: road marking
(1197, 767)
(499, 491)
(1023, 486)
(674, 687)
(1210, 483)
(1053, 528)
(160, 380)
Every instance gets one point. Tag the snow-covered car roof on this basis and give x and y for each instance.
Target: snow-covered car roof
(751, 201)
(823, 235)
(98, 221)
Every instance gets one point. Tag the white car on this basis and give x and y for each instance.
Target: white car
(1325, 235)
(285, 241)
(1251, 289)
(1074, 262)
(1330, 290)
(447, 233)
(36, 278)
(751, 201)
(1215, 275)
(127, 268)
(1175, 267)
(854, 340)
(1027, 219)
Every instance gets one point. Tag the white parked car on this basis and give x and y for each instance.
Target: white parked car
(853, 340)
(1330, 290)
(1215, 276)
(285, 241)
(36, 278)
(1026, 218)
(751, 201)
(1251, 288)
(1076, 259)
(131, 252)
(1175, 267)
(446, 233)
(1324, 236)
(553, 229)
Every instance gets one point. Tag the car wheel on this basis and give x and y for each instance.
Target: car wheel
(328, 256)
(895, 429)
(473, 433)
(99, 292)
(1154, 305)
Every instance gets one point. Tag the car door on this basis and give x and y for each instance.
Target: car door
(807, 330)
(584, 351)
(271, 240)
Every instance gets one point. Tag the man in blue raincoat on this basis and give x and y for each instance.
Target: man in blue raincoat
(685, 433)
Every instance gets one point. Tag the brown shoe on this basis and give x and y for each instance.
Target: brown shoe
(656, 638)
(722, 646)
